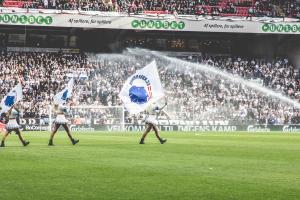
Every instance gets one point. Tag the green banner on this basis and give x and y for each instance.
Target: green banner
(157, 24)
(24, 19)
(170, 23)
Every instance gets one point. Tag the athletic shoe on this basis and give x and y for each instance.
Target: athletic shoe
(50, 143)
(25, 143)
(142, 142)
(75, 141)
(2, 144)
(162, 141)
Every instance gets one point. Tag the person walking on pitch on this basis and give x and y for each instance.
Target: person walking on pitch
(140, 92)
(61, 111)
(152, 114)
(12, 125)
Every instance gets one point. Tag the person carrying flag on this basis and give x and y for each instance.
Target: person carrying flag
(140, 92)
(11, 113)
(12, 125)
(61, 109)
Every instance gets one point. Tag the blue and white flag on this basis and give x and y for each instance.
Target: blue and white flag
(142, 89)
(13, 97)
(65, 94)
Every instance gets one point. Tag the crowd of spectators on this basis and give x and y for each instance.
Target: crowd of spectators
(222, 99)
(42, 75)
(254, 8)
(193, 94)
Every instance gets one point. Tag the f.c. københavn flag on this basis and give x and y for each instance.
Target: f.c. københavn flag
(142, 89)
(14, 96)
(65, 94)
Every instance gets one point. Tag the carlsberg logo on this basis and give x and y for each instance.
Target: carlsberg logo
(157, 24)
(24, 19)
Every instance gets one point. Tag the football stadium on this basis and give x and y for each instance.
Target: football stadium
(150, 99)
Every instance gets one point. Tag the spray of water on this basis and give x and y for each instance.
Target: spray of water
(214, 71)
(92, 57)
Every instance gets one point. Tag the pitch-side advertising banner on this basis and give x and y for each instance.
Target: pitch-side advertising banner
(147, 23)
(38, 124)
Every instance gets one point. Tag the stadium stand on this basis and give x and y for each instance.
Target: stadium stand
(101, 80)
(241, 8)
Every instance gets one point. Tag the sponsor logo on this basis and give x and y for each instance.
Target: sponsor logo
(252, 128)
(157, 24)
(84, 129)
(280, 28)
(290, 129)
(24, 19)
(184, 128)
(207, 128)
(139, 128)
(35, 128)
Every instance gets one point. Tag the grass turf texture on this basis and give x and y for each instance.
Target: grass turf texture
(189, 166)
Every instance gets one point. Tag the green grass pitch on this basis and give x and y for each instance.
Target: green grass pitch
(189, 166)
